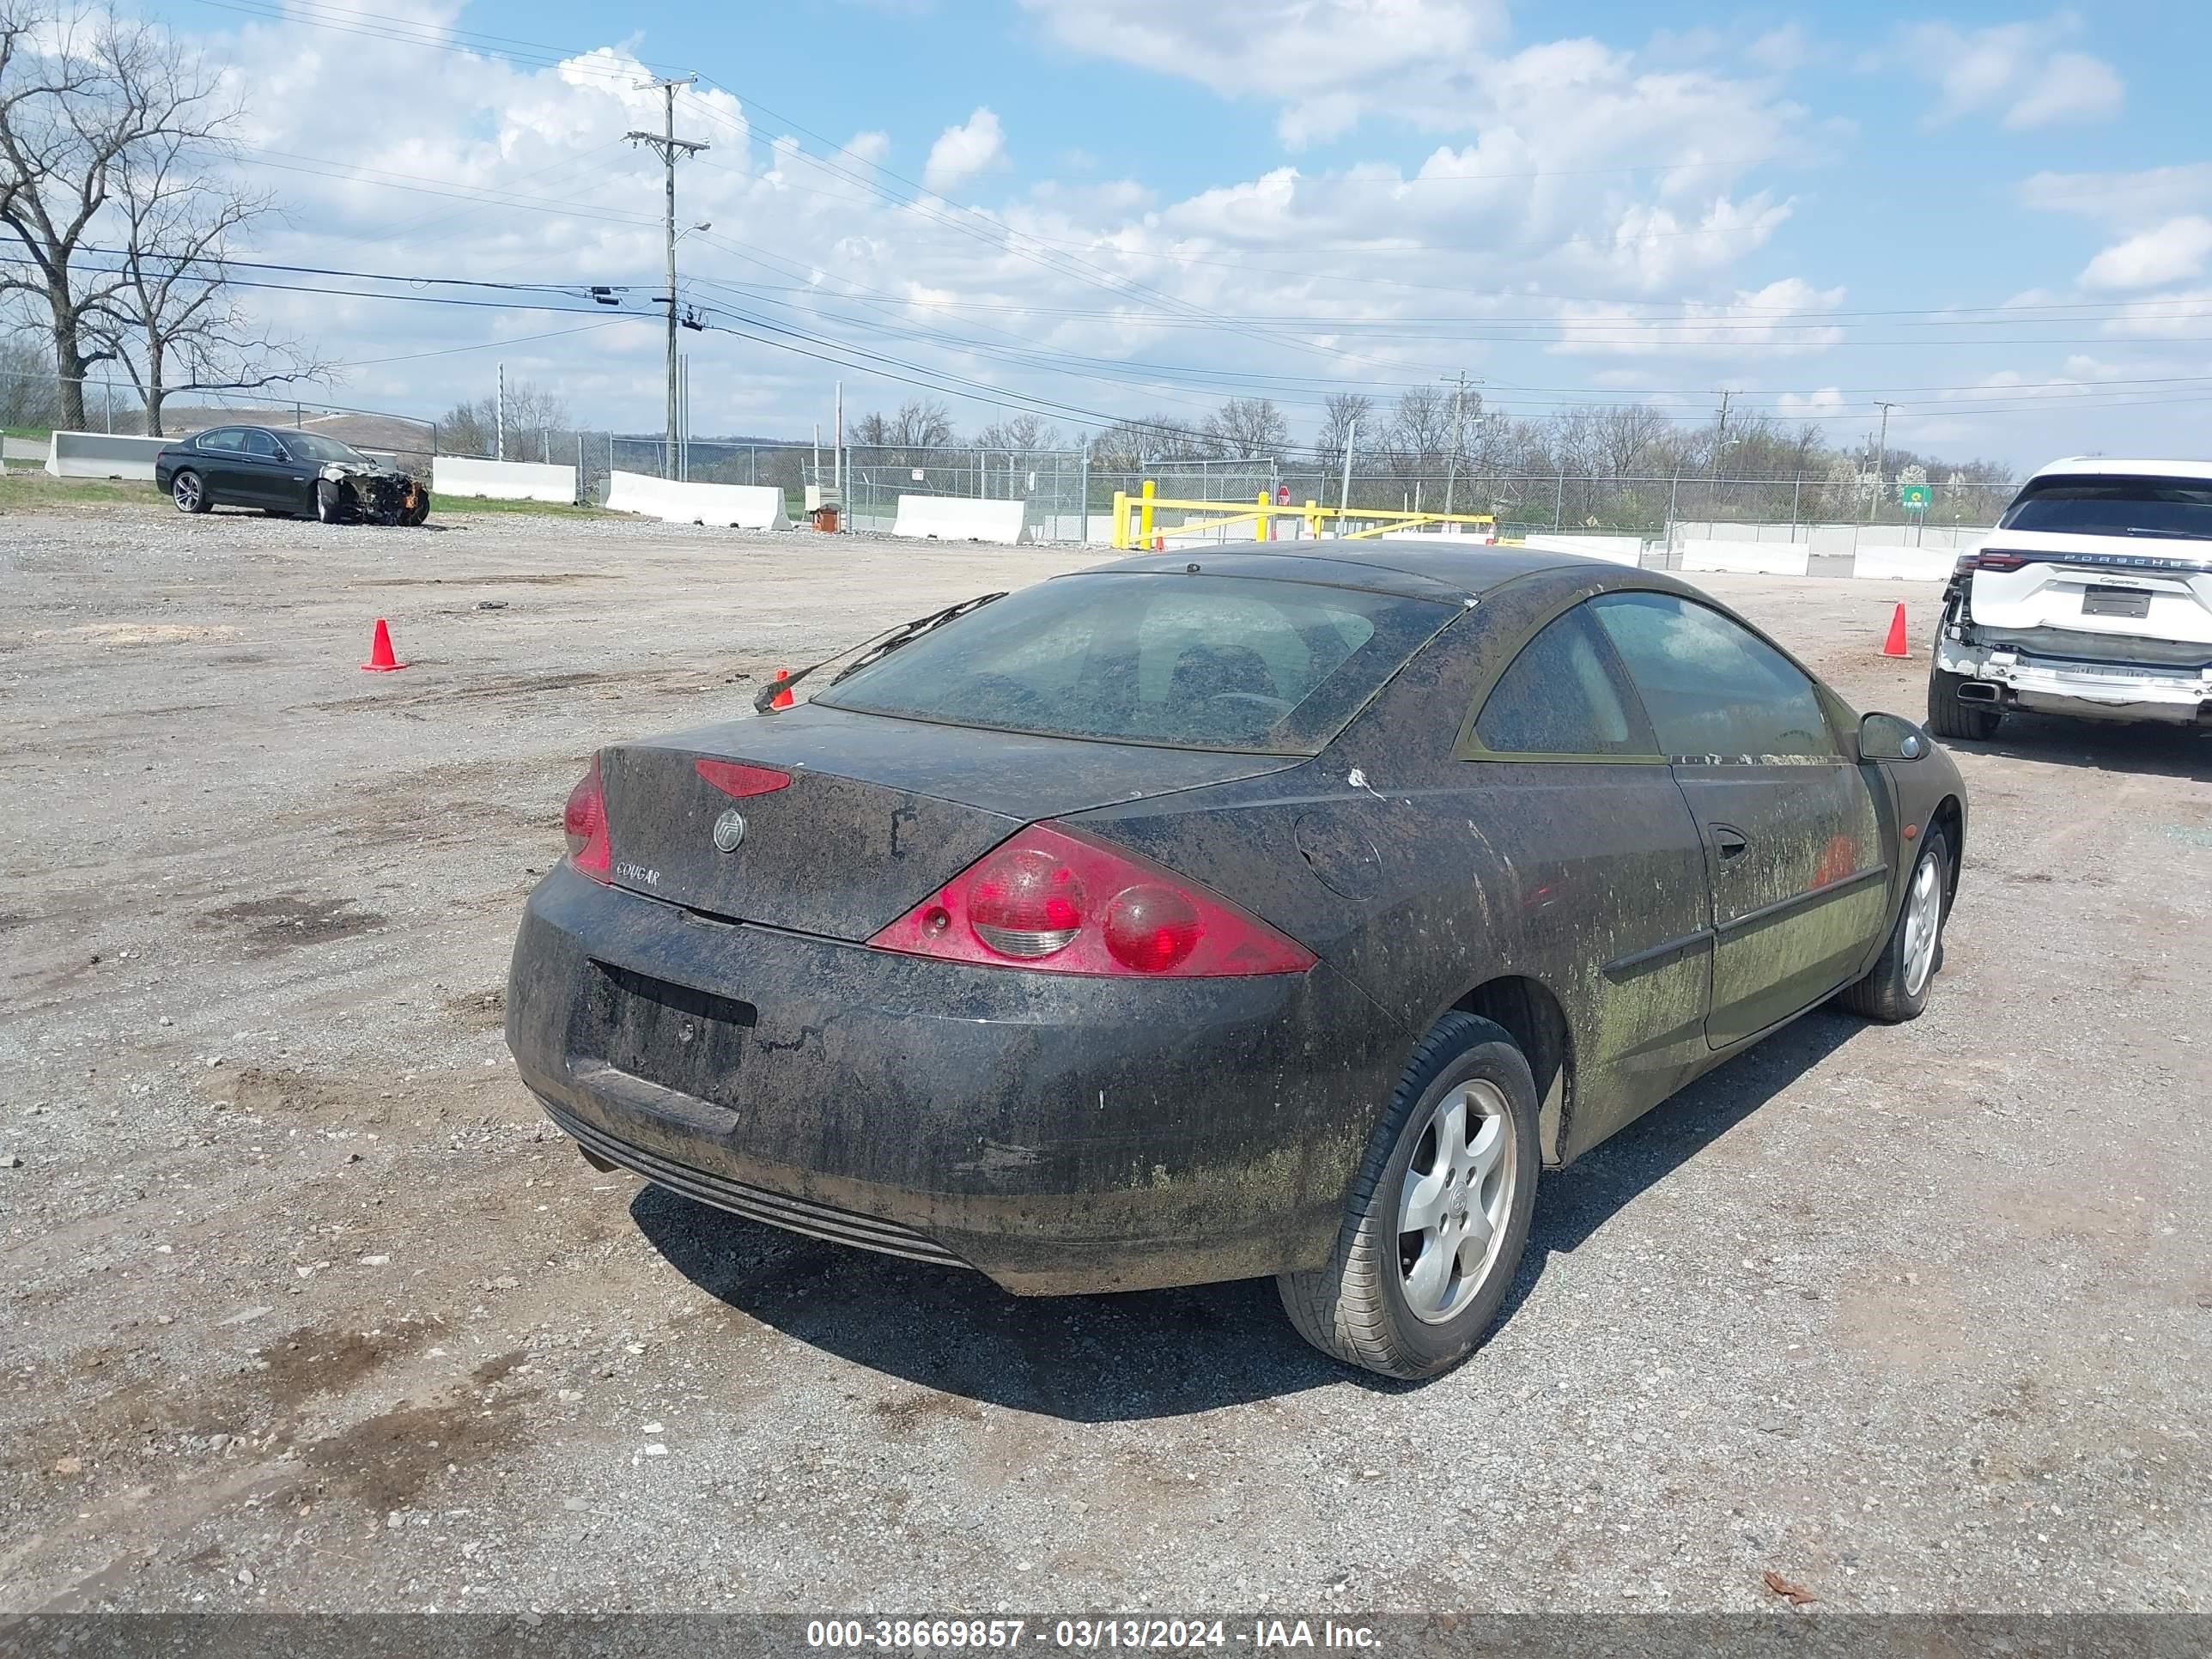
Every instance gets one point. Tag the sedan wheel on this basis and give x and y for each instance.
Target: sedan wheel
(1458, 1195)
(1898, 988)
(190, 495)
(1439, 1214)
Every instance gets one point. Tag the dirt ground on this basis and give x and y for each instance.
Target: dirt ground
(304, 1306)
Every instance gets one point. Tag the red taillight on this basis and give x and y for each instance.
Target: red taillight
(1991, 561)
(585, 821)
(1056, 901)
(735, 778)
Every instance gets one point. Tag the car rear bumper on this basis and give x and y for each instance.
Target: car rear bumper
(1061, 1135)
(2091, 691)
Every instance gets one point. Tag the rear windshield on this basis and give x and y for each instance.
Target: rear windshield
(1184, 662)
(2173, 508)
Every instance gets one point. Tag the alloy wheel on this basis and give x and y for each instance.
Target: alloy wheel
(1456, 1194)
(1923, 921)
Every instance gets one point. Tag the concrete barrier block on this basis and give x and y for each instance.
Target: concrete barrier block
(1905, 564)
(1753, 558)
(103, 455)
(502, 481)
(1614, 549)
(958, 519)
(737, 507)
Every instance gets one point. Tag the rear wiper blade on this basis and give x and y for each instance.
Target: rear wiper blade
(874, 648)
(2169, 535)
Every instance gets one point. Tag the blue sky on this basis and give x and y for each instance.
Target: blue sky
(1116, 206)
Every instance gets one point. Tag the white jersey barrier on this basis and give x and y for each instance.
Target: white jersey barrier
(1614, 549)
(739, 506)
(502, 481)
(1905, 564)
(957, 519)
(1753, 558)
(103, 455)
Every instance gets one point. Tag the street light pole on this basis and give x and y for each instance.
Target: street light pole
(1881, 459)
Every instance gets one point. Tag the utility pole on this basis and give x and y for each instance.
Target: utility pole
(1459, 428)
(667, 145)
(1881, 459)
(1713, 467)
(1344, 493)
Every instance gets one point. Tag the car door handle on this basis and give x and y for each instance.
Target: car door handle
(1728, 843)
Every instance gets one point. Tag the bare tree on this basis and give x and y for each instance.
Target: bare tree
(1019, 432)
(1248, 429)
(1340, 413)
(1132, 445)
(1421, 434)
(173, 319)
(29, 394)
(82, 94)
(473, 429)
(920, 423)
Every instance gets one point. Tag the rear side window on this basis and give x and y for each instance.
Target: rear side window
(1712, 688)
(226, 440)
(1187, 662)
(1562, 696)
(2180, 508)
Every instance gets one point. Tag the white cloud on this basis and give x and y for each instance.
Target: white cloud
(961, 153)
(1769, 321)
(1329, 62)
(2127, 199)
(2178, 314)
(2017, 69)
(2172, 253)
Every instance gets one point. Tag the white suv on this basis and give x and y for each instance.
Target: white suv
(2092, 597)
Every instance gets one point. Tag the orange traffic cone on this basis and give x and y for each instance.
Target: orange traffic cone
(1894, 645)
(380, 660)
(1159, 544)
(783, 698)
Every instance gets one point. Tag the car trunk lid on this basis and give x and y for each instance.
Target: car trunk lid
(877, 813)
(2109, 590)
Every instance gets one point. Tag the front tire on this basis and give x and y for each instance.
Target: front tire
(1438, 1216)
(1949, 718)
(1897, 989)
(189, 492)
(330, 503)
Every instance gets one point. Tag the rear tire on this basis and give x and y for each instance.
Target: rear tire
(1897, 987)
(1949, 718)
(189, 492)
(1382, 1303)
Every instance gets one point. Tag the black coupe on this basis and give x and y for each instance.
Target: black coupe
(287, 472)
(1264, 914)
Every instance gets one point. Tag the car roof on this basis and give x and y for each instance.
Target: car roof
(2075, 466)
(1398, 567)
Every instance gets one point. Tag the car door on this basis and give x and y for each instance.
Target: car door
(1792, 838)
(1566, 775)
(218, 458)
(264, 471)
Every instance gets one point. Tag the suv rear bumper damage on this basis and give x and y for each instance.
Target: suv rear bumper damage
(2017, 678)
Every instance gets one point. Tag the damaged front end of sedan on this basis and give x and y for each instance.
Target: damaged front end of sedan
(347, 493)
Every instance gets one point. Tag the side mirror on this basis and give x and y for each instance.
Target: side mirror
(1886, 737)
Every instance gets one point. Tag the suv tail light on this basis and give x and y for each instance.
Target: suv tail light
(585, 820)
(1988, 562)
(1054, 900)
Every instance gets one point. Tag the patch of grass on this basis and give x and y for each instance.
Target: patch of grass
(41, 433)
(34, 492)
(455, 506)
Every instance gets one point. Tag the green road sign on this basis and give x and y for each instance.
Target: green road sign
(1915, 498)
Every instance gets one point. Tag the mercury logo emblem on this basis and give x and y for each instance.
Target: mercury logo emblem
(729, 830)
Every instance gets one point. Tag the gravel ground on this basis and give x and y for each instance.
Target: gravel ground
(305, 1307)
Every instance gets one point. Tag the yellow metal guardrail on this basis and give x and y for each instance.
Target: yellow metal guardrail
(1261, 516)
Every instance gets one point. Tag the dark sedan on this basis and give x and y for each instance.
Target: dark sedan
(287, 472)
(1267, 914)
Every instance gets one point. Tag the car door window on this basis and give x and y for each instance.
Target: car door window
(261, 447)
(224, 442)
(1712, 688)
(1563, 696)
